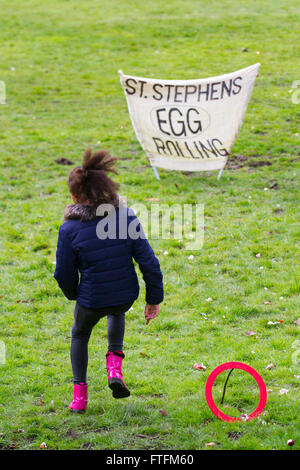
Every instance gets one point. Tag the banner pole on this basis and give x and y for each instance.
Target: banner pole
(156, 172)
(153, 167)
(220, 173)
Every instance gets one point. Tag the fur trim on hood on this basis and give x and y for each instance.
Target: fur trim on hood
(83, 212)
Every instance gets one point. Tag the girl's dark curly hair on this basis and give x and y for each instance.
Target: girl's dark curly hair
(90, 183)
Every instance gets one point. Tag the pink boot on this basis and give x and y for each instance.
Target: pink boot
(80, 400)
(114, 374)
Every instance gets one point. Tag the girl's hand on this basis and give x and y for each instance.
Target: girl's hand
(151, 311)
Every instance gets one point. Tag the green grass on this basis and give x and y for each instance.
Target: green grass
(60, 61)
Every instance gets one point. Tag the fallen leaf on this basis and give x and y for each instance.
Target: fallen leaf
(144, 354)
(283, 391)
(250, 333)
(297, 322)
(210, 444)
(13, 446)
(43, 445)
(163, 412)
(270, 366)
(199, 366)
(267, 302)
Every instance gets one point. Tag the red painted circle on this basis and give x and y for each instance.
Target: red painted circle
(235, 365)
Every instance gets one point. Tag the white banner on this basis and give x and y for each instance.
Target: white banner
(189, 125)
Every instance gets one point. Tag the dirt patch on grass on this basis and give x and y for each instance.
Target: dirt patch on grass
(8, 445)
(87, 445)
(63, 161)
(234, 435)
(235, 162)
(259, 163)
(73, 434)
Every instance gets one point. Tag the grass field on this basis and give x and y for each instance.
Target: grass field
(59, 61)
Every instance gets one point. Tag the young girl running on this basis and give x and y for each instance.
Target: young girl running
(108, 284)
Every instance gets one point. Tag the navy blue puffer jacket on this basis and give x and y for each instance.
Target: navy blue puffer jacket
(107, 273)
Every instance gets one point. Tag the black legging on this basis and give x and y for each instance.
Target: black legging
(84, 321)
